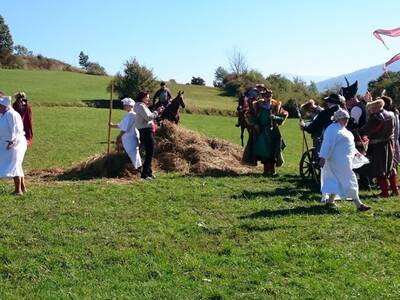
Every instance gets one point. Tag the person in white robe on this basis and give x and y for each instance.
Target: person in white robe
(129, 134)
(12, 145)
(336, 161)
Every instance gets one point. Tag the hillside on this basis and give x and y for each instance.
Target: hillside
(363, 76)
(73, 89)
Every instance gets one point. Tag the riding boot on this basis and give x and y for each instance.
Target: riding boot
(384, 186)
(365, 183)
(269, 169)
(393, 185)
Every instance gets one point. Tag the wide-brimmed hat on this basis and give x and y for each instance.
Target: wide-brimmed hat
(334, 99)
(340, 114)
(128, 101)
(378, 103)
(308, 103)
(20, 95)
(5, 101)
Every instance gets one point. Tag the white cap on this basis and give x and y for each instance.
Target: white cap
(128, 101)
(5, 101)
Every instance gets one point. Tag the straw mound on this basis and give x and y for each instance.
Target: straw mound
(180, 149)
(176, 150)
(115, 165)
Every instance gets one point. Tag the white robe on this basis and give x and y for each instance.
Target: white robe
(12, 129)
(338, 150)
(130, 139)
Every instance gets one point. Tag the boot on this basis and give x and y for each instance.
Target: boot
(384, 186)
(393, 185)
(269, 169)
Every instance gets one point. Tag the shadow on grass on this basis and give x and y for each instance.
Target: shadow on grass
(294, 187)
(314, 210)
(265, 227)
(103, 103)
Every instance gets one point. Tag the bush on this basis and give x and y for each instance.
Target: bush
(135, 78)
(95, 69)
(198, 81)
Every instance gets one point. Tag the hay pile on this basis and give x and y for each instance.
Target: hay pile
(114, 165)
(183, 150)
(177, 150)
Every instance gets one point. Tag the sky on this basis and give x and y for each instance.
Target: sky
(179, 39)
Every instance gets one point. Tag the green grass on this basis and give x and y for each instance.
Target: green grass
(186, 237)
(52, 88)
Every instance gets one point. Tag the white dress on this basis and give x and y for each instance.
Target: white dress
(12, 129)
(338, 150)
(130, 139)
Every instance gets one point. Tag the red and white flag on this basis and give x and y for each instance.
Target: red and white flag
(388, 32)
(392, 60)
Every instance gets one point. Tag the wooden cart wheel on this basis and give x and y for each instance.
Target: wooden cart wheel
(309, 161)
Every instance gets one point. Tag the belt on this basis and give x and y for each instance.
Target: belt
(377, 141)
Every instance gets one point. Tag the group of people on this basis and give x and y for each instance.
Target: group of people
(348, 130)
(16, 135)
(138, 128)
(356, 140)
(344, 131)
(262, 115)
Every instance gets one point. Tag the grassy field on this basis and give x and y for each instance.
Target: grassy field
(51, 88)
(186, 237)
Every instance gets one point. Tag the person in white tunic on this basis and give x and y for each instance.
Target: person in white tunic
(12, 145)
(129, 134)
(336, 158)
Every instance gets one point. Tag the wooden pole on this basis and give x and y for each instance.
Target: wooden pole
(109, 118)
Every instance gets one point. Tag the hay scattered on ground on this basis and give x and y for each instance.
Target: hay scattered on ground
(177, 150)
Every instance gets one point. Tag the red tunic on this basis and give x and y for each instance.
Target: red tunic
(24, 109)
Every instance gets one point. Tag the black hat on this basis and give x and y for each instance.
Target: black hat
(350, 91)
(333, 98)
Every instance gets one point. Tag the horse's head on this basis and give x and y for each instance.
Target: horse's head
(179, 99)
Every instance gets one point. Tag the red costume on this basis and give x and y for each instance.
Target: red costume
(24, 109)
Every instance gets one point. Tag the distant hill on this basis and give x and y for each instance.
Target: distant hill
(363, 76)
(58, 88)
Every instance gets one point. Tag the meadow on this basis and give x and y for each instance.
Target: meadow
(185, 237)
(52, 88)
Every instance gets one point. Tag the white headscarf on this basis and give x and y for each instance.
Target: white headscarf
(5, 101)
(128, 101)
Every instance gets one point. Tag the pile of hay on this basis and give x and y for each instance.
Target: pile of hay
(183, 150)
(114, 165)
(177, 150)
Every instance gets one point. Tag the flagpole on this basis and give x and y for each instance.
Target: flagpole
(109, 118)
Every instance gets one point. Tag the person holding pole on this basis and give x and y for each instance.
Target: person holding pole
(144, 123)
(129, 135)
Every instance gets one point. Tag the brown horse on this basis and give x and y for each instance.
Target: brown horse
(242, 109)
(171, 111)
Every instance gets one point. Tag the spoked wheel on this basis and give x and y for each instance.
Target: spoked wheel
(309, 167)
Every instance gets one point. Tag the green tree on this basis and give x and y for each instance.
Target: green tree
(389, 82)
(20, 50)
(220, 74)
(197, 81)
(135, 78)
(83, 60)
(6, 41)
